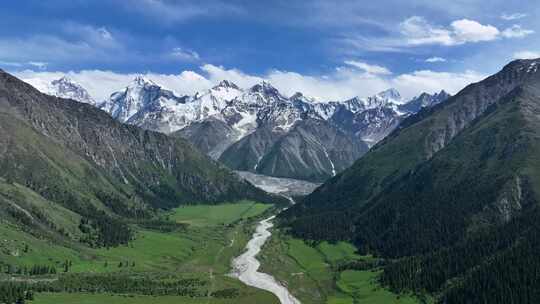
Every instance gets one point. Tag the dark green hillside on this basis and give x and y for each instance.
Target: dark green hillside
(452, 196)
(417, 139)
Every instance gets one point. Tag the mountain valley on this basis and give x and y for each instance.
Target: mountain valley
(269, 152)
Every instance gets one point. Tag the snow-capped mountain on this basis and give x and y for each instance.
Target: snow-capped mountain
(146, 104)
(144, 100)
(259, 129)
(67, 88)
(424, 100)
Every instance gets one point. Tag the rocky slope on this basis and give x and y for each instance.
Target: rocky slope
(453, 192)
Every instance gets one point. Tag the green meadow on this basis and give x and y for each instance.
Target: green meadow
(203, 250)
(82, 298)
(312, 275)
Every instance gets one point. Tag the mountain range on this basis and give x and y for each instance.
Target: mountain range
(259, 129)
(451, 195)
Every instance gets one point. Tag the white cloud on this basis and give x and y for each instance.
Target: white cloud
(100, 84)
(184, 54)
(369, 68)
(217, 73)
(526, 55)
(466, 30)
(418, 31)
(514, 16)
(516, 31)
(342, 83)
(430, 81)
(435, 59)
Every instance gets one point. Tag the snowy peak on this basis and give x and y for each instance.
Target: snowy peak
(296, 96)
(138, 98)
(227, 85)
(299, 97)
(67, 88)
(388, 98)
(142, 81)
(424, 100)
(390, 94)
(265, 88)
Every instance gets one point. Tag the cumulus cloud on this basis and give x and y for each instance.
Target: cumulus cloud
(466, 30)
(417, 31)
(515, 16)
(526, 55)
(369, 68)
(435, 59)
(343, 83)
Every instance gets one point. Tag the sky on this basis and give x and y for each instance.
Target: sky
(330, 50)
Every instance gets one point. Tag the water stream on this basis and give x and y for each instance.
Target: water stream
(245, 266)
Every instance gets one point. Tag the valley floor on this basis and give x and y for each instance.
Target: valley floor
(325, 273)
(202, 252)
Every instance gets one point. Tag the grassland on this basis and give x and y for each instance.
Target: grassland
(203, 250)
(201, 215)
(312, 276)
(81, 298)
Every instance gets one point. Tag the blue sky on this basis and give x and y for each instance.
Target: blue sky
(329, 49)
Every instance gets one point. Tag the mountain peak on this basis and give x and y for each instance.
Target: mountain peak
(226, 84)
(524, 66)
(64, 79)
(264, 87)
(141, 80)
(390, 94)
(65, 87)
(297, 95)
(443, 93)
